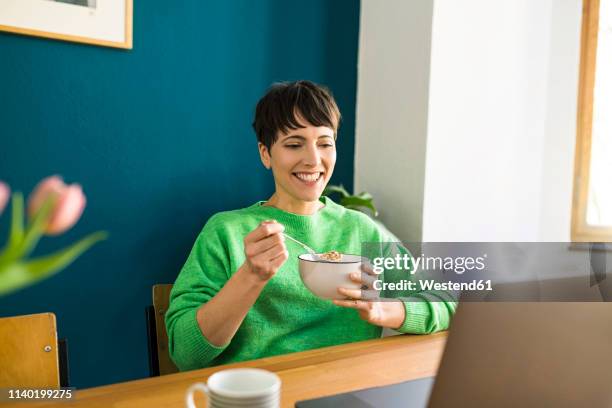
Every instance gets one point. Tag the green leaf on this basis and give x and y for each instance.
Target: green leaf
(360, 202)
(13, 277)
(364, 195)
(336, 189)
(64, 257)
(357, 208)
(355, 202)
(21, 274)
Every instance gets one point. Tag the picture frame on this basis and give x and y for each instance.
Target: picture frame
(98, 22)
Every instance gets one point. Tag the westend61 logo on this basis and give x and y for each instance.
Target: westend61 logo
(459, 264)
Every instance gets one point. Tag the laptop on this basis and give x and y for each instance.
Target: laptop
(509, 355)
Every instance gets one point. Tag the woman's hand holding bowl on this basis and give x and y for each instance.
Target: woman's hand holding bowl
(385, 313)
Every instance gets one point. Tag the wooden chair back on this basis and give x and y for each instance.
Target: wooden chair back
(29, 352)
(161, 301)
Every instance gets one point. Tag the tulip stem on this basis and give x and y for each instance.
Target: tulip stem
(16, 230)
(16, 234)
(19, 248)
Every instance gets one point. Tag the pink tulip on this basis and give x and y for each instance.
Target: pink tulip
(69, 203)
(5, 194)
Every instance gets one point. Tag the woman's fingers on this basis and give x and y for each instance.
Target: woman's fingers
(264, 238)
(266, 264)
(363, 279)
(255, 248)
(351, 293)
(265, 249)
(277, 261)
(269, 254)
(366, 267)
(353, 304)
(265, 229)
(369, 294)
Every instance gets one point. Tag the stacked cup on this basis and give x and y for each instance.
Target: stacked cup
(239, 387)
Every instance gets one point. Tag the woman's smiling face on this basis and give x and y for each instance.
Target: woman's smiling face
(302, 162)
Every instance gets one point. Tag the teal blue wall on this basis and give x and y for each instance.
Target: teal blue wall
(160, 138)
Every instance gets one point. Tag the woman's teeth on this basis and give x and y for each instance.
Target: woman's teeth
(309, 177)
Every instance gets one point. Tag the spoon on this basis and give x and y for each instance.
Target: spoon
(306, 247)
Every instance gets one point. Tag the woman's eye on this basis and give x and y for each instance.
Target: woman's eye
(327, 145)
(293, 146)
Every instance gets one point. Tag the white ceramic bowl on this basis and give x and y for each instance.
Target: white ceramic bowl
(323, 278)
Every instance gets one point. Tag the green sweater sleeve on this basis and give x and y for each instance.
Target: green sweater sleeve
(426, 311)
(203, 275)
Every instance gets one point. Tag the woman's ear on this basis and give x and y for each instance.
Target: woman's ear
(264, 154)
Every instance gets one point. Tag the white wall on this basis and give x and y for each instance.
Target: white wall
(486, 120)
(560, 139)
(500, 127)
(393, 81)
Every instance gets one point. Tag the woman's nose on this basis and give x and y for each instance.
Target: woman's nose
(312, 156)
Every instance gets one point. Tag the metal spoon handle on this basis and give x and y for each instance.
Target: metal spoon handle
(306, 247)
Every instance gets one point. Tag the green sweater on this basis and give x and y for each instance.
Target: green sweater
(286, 317)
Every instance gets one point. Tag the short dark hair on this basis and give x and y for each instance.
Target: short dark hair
(278, 108)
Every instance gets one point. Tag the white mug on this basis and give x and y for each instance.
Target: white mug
(251, 387)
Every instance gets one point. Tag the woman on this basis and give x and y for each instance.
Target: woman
(239, 295)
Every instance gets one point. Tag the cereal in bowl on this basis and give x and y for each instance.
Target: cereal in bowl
(332, 256)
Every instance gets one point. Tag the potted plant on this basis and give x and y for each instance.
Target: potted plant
(363, 202)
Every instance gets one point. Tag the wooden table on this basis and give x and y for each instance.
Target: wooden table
(304, 375)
